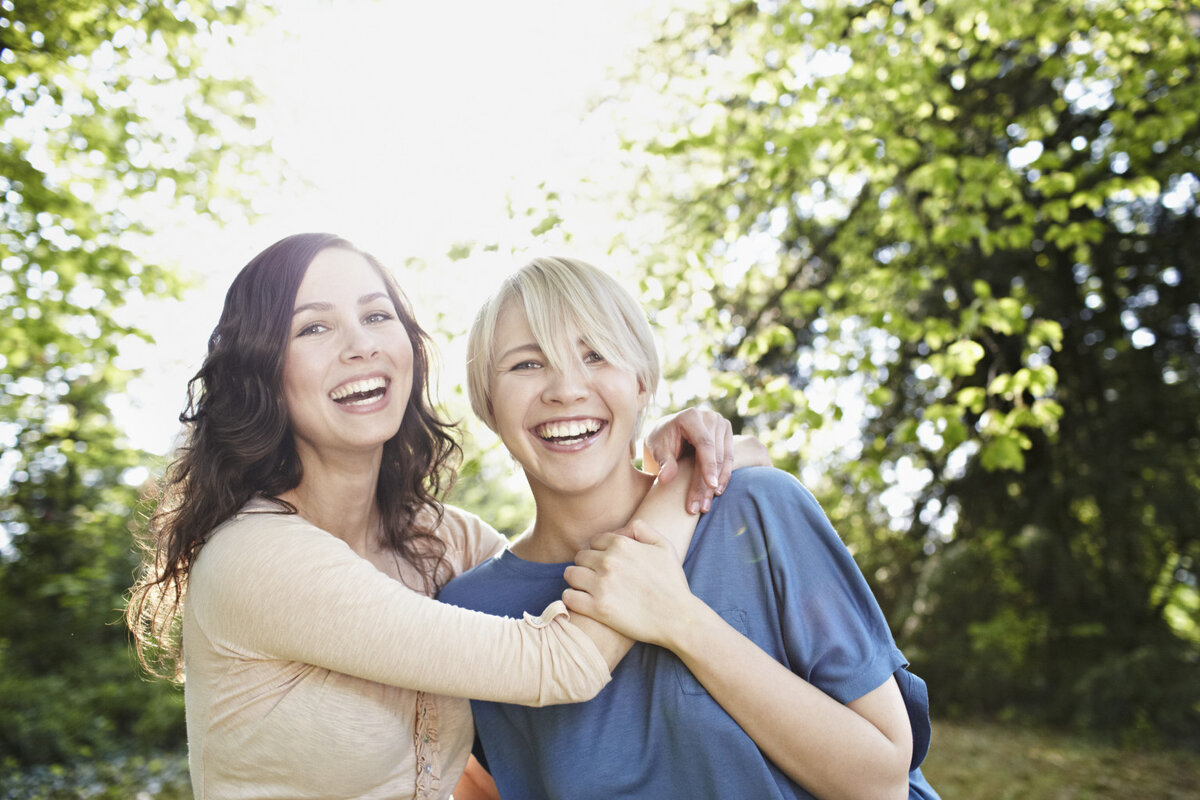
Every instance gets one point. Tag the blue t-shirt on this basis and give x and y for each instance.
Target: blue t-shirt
(768, 561)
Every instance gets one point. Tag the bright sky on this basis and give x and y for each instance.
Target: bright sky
(413, 122)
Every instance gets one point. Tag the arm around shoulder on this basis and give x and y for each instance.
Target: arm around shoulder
(278, 588)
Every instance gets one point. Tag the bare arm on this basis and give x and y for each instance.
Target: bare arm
(859, 750)
(476, 783)
(663, 510)
(835, 751)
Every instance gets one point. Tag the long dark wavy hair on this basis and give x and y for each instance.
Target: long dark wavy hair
(239, 444)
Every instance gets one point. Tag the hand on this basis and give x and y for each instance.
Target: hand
(631, 581)
(710, 435)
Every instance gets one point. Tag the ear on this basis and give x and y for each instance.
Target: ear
(643, 397)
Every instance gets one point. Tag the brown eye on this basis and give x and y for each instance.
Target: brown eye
(378, 316)
(309, 330)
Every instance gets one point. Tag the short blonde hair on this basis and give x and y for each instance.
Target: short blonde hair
(564, 298)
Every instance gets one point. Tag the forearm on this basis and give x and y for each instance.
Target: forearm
(663, 510)
(828, 748)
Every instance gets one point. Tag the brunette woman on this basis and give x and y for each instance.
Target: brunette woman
(300, 541)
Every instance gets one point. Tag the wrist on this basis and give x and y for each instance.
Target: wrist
(685, 632)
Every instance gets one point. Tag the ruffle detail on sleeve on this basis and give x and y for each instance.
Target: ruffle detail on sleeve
(573, 672)
(553, 611)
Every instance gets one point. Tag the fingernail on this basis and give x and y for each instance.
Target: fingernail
(693, 507)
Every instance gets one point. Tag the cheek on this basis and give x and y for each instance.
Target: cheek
(403, 349)
(289, 383)
(507, 406)
(628, 391)
(299, 381)
(293, 400)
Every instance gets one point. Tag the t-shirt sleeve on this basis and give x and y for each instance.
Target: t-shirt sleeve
(834, 633)
(273, 586)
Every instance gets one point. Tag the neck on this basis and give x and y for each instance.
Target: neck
(338, 496)
(567, 522)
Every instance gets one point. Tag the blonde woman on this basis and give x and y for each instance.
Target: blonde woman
(771, 672)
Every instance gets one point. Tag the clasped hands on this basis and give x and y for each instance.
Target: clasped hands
(632, 579)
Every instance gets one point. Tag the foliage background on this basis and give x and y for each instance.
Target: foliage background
(84, 146)
(942, 258)
(939, 256)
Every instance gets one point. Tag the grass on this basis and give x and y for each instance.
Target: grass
(162, 777)
(967, 761)
(986, 761)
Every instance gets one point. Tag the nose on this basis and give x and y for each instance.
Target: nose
(358, 343)
(566, 385)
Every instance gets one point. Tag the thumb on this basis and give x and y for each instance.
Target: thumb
(646, 534)
(668, 468)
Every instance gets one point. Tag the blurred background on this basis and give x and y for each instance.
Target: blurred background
(940, 257)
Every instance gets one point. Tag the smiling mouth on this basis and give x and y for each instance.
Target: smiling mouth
(569, 431)
(357, 393)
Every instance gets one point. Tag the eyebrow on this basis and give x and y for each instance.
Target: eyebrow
(532, 347)
(323, 306)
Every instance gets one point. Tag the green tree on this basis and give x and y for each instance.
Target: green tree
(945, 256)
(105, 108)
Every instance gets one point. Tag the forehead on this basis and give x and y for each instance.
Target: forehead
(552, 324)
(512, 327)
(339, 276)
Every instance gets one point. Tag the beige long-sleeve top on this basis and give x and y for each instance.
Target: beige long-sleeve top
(311, 674)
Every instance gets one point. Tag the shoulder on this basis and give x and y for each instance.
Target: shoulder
(256, 560)
(771, 507)
(469, 540)
(257, 536)
(465, 526)
(766, 487)
(258, 522)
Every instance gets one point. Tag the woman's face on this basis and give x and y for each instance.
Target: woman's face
(347, 373)
(570, 429)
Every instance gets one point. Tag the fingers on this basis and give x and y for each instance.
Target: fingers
(700, 494)
(673, 435)
(605, 541)
(586, 588)
(579, 602)
(726, 457)
(580, 578)
(699, 427)
(625, 542)
(668, 470)
(709, 442)
(660, 451)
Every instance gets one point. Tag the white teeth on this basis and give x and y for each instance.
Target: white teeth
(368, 386)
(569, 429)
